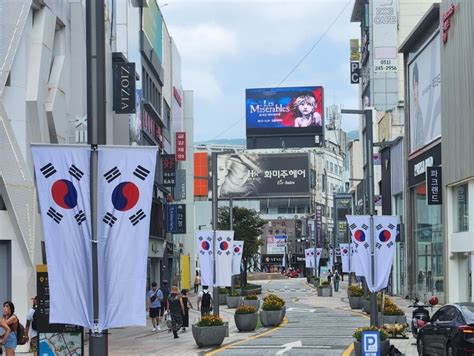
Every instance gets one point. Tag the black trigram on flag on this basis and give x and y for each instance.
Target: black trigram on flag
(379, 226)
(80, 217)
(135, 218)
(112, 174)
(48, 170)
(53, 214)
(390, 244)
(366, 245)
(365, 227)
(76, 172)
(378, 245)
(141, 172)
(353, 226)
(109, 219)
(391, 226)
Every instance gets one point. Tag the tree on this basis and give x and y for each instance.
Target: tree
(247, 226)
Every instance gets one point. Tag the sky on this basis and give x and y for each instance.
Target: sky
(227, 46)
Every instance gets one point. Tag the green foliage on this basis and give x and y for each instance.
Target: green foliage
(210, 320)
(358, 333)
(251, 297)
(324, 284)
(273, 302)
(245, 309)
(222, 290)
(355, 291)
(233, 294)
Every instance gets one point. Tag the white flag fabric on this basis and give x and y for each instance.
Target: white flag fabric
(360, 233)
(309, 257)
(204, 243)
(385, 232)
(237, 256)
(319, 251)
(331, 259)
(63, 181)
(356, 265)
(125, 190)
(224, 243)
(345, 255)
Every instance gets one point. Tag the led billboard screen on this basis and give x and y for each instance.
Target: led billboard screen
(262, 175)
(285, 111)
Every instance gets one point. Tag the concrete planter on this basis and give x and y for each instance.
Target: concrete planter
(283, 312)
(234, 302)
(271, 317)
(325, 291)
(366, 306)
(222, 299)
(355, 302)
(209, 335)
(384, 348)
(393, 319)
(246, 322)
(253, 303)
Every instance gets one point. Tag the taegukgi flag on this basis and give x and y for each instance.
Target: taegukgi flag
(309, 257)
(224, 243)
(345, 257)
(356, 266)
(125, 190)
(237, 256)
(319, 251)
(204, 244)
(63, 184)
(331, 259)
(360, 232)
(385, 233)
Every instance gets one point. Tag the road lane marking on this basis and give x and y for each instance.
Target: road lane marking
(289, 346)
(348, 351)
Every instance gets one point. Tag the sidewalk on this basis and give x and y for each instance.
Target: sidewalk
(341, 301)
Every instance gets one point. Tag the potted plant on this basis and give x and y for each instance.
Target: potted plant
(222, 295)
(210, 330)
(233, 299)
(252, 300)
(392, 314)
(355, 294)
(384, 341)
(245, 318)
(324, 289)
(316, 282)
(273, 310)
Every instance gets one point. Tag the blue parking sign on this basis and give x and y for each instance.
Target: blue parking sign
(370, 343)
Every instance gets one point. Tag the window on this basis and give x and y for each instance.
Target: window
(461, 208)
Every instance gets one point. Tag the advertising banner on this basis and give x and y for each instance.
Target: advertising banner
(276, 244)
(169, 170)
(289, 111)
(262, 175)
(424, 78)
(385, 35)
(272, 260)
(319, 225)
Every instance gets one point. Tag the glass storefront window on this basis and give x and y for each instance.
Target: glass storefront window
(461, 208)
(428, 232)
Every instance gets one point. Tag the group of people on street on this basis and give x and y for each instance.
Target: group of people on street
(336, 277)
(10, 326)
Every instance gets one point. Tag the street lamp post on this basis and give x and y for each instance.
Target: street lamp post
(369, 181)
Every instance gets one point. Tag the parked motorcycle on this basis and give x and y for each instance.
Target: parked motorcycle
(421, 315)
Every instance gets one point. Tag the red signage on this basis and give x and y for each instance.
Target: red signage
(181, 146)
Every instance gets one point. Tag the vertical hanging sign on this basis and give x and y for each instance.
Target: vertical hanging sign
(124, 88)
(434, 195)
(169, 170)
(319, 225)
(181, 146)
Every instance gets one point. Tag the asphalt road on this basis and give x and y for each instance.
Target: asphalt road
(309, 331)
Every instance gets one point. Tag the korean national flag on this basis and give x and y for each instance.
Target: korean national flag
(224, 244)
(345, 255)
(360, 232)
(237, 256)
(125, 190)
(385, 232)
(204, 247)
(63, 181)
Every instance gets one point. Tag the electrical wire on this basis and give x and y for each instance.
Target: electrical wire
(296, 66)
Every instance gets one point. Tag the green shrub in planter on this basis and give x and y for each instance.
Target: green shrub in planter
(210, 320)
(355, 291)
(273, 302)
(222, 290)
(245, 309)
(251, 297)
(358, 333)
(324, 284)
(233, 294)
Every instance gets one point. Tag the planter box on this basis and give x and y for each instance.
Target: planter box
(246, 322)
(234, 302)
(355, 302)
(384, 348)
(253, 303)
(366, 306)
(283, 313)
(222, 299)
(209, 335)
(325, 291)
(393, 319)
(271, 317)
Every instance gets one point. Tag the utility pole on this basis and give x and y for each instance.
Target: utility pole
(231, 228)
(96, 135)
(369, 183)
(215, 291)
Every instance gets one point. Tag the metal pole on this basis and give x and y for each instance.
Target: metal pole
(370, 196)
(95, 54)
(214, 227)
(231, 227)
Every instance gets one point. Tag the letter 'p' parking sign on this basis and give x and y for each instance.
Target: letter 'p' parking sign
(370, 343)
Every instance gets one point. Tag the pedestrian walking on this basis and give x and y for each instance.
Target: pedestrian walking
(337, 277)
(330, 276)
(176, 308)
(31, 328)
(187, 304)
(165, 290)
(12, 321)
(6, 333)
(155, 298)
(197, 282)
(204, 301)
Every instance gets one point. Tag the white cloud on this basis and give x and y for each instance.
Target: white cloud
(203, 83)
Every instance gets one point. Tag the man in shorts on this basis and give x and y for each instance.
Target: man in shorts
(155, 296)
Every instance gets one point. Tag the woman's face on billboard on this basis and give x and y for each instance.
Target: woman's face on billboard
(306, 107)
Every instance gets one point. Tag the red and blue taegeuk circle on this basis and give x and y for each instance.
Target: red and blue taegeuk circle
(64, 194)
(125, 196)
(384, 235)
(345, 250)
(205, 245)
(224, 245)
(359, 235)
(236, 249)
